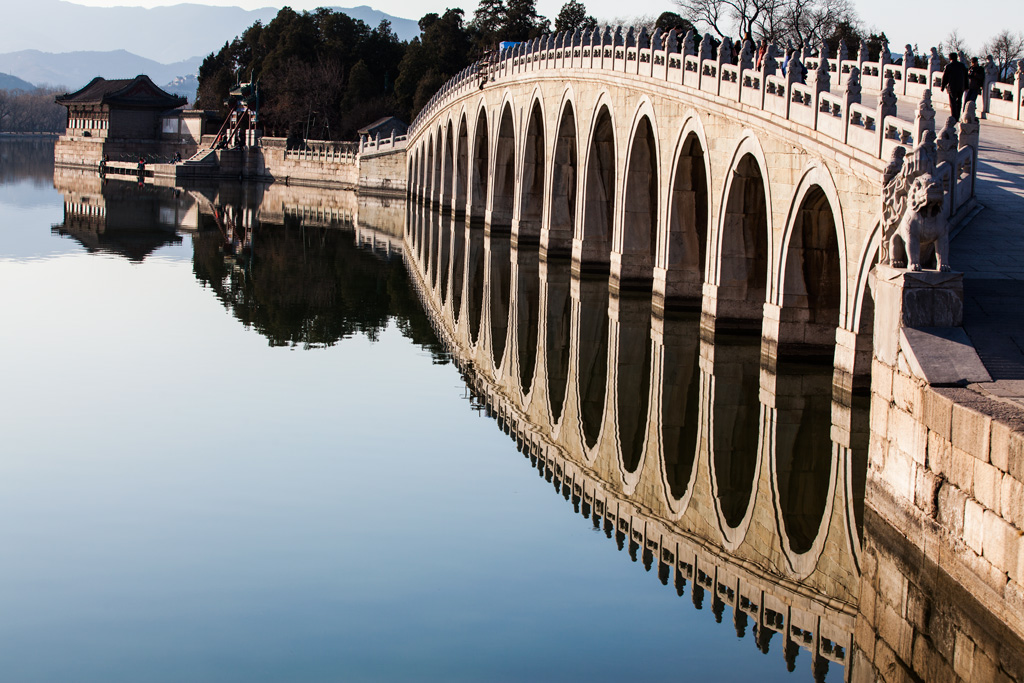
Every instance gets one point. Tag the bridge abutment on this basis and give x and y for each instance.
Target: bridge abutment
(942, 455)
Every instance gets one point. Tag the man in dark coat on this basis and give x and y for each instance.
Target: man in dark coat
(975, 80)
(954, 82)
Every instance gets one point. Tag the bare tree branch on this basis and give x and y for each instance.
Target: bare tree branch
(1005, 48)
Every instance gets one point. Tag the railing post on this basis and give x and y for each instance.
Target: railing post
(968, 133)
(822, 82)
(1018, 85)
(924, 117)
(850, 96)
(908, 62)
(796, 66)
(722, 49)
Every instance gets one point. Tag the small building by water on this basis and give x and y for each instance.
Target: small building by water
(387, 127)
(123, 119)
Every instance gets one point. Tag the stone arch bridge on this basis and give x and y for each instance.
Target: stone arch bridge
(740, 192)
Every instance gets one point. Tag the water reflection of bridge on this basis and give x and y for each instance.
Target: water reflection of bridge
(741, 477)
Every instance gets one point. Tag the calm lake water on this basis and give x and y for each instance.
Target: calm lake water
(239, 445)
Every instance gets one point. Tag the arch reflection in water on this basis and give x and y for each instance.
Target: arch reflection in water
(591, 302)
(634, 374)
(475, 285)
(500, 287)
(444, 262)
(458, 267)
(803, 450)
(680, 402)
(719, 473)
(559, 327)
(736, 424)
(527, 302)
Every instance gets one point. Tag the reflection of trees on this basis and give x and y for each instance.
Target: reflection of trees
(311, 287)
(26, 159)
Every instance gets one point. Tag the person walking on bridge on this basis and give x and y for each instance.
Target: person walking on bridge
(954, 82)
(975, 80)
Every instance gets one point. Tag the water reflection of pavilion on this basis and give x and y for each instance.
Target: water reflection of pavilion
(119, 218)
(728, 474)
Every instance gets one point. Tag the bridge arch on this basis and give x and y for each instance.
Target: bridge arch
(743, 242)
(447, 179)
(423, 170)
(810, 281)
(639, 217)
(480, 177)
(503, 188)
(410, 173)
(534, 165)
(428, 185)
(435, 191)
(859, 325)
(686, 231)
(417, 173)
(592, 246)
(563, 181)
(461, 167)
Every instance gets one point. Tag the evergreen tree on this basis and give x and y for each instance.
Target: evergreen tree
(497, 21)
(572, 16)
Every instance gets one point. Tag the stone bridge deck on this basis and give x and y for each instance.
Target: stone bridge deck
(989, 251)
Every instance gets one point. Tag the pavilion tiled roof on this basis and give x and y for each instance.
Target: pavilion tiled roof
(139, 92)
(370, 129)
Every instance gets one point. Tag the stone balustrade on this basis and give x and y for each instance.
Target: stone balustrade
(324, 151)
(379, 145)
(659, 58)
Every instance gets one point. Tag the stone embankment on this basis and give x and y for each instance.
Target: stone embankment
(377, 167)
(946, 469)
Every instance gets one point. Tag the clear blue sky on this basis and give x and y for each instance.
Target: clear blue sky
(903, 22)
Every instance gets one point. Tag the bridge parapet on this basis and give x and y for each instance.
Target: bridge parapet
(812, 106)
(1000, 101)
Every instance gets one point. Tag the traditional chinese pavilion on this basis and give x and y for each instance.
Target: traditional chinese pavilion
(121, 118)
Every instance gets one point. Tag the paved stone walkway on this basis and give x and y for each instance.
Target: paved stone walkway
(989, 250)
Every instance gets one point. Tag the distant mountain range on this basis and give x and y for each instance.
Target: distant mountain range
(163, 34)
(9, 82)
(72, 70)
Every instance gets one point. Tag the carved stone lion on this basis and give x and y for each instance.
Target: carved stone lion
(923, 224)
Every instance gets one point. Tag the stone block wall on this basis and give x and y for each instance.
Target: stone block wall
(916, 624)
(947, 470)
(278, 166)
(383, 173)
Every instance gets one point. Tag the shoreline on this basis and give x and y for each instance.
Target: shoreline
(35, 135)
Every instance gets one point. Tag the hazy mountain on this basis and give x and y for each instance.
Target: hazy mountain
(185, 86)
(72, 70)
(9, 82)
(164, 34)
